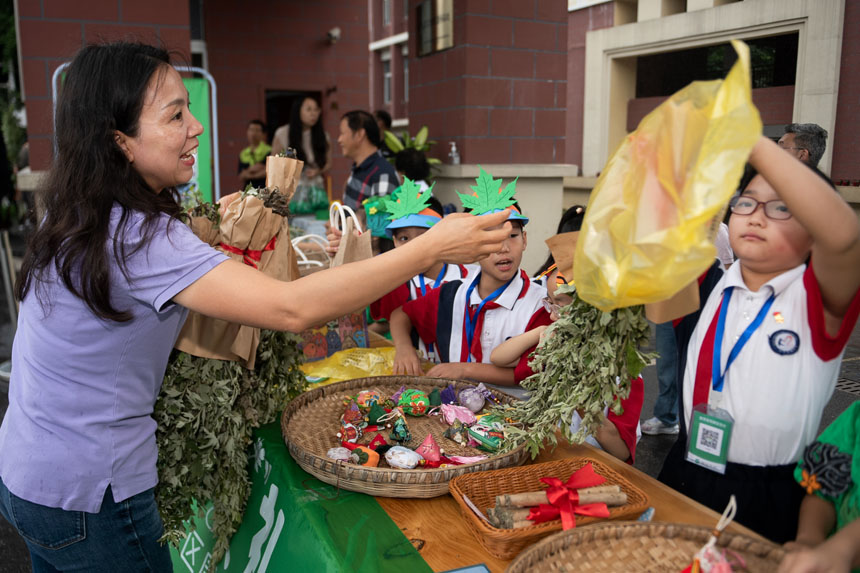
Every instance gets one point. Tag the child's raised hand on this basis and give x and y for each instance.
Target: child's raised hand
(406, 362)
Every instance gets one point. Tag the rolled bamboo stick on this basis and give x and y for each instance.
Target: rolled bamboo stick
(533, 498)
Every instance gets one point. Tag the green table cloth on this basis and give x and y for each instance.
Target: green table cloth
(294, 522)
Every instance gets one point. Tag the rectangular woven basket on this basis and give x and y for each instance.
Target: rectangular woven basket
(482, 488)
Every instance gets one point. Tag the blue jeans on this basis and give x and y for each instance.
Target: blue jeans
(666, 407)
(121, 537)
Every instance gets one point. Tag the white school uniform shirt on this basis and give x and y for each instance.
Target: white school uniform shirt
(452, 273)
(780, 382)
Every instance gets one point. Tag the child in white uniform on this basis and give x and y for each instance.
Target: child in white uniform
(768, 342)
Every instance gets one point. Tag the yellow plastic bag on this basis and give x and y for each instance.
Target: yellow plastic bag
(652, 217)
(350, 364)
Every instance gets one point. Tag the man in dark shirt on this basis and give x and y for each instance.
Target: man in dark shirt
(371, 175)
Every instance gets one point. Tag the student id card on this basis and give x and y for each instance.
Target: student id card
(709, 437)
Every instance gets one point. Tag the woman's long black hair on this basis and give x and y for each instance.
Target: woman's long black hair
(103, 93)
(318, 140)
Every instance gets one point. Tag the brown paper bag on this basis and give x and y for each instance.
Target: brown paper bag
(352, 248)
(253, 234)
(563, 247)
(206, 230)
(282, 173)
(683, 303)
(349, 330)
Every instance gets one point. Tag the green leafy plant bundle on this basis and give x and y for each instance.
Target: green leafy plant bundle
(488, 194)
(584, 362)
(206, 413)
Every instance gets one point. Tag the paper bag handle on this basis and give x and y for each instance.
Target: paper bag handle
(337, 208)
(303, 258)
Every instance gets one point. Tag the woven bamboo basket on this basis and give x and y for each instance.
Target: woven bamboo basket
(310, 422)
(639, 548)
(483, 488)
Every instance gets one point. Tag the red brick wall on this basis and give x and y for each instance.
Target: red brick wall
(500, 91)
(846, 139)
(578, 24)
(281, 45)
(52, 31)
(775, 106)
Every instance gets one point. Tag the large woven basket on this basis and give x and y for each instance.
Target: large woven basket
(482, 489)
(310, 422)
(638, 548)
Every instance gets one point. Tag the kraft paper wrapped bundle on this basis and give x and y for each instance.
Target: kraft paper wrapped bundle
(282, 173)
(259, 237)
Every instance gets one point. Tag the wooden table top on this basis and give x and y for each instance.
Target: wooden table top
(448, 543)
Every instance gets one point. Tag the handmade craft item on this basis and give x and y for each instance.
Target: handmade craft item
(449, 395)
(488, 432)
(710, 558)
(565, 502)
(402, 458)
(339, 454)
(377, 442)
(429, 449)
(452, 413)
(349, 433)
(410, 207)
(435, 397)
(458, 432)
(414, 402)
(462, 460)
(376, 414)
(364, 456)
(367, 398)
(352, 415)
(396, 396)
(471, 398)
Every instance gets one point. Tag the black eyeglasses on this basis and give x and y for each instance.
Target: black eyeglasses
(775, 209)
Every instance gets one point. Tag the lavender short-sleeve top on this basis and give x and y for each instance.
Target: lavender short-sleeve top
(83, 389)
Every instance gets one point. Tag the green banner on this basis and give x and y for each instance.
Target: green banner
(294, 522)
(198, 95)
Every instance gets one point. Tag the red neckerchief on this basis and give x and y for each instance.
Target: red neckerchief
(476, 349)
(704, 366)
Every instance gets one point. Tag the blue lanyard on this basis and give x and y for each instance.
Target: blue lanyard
(470, 328)
(718, 376)
(436, 283)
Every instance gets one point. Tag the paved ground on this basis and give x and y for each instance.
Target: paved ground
(649, 454)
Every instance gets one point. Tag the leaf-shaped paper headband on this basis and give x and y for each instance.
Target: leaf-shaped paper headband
(409, 207)
(489, 197)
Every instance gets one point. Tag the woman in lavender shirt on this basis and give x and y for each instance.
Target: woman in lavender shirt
(104, 289)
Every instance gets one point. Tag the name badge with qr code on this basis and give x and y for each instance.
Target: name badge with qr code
(710, 434)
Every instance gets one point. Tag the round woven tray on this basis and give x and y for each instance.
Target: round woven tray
(638, 547)
(311, 421)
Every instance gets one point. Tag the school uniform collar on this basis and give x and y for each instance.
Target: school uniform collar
(777, 284)
(515, 291)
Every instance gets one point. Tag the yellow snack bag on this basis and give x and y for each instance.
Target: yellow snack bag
(650, 222)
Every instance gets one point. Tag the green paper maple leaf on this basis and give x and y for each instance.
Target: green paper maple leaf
(408, 200)
(488, 196)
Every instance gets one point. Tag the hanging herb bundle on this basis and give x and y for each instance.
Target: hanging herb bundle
(271, 198)
(205, 413)
(585, 362)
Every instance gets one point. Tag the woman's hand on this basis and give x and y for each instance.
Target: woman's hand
(406, 361)
(464, 238)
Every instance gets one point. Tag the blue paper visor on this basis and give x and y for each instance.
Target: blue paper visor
(422, 221)
(514, 216)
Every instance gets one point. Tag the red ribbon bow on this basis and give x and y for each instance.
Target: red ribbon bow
(249, 256)
(564, 499)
